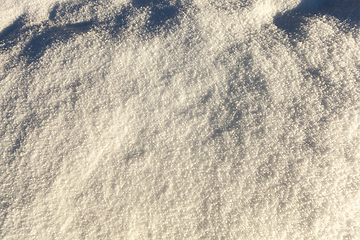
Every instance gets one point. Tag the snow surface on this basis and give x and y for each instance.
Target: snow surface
(180, 119)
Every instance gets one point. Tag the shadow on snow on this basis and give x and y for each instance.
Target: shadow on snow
(38, 38)
(347, 11)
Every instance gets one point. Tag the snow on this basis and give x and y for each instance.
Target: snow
(182, 119)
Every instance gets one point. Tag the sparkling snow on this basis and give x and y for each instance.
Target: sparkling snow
(180, 119)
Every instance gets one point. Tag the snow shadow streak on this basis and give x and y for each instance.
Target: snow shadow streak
(38, 38)
(37, 46)
(9, 37)
(347, 11)
(161, 13)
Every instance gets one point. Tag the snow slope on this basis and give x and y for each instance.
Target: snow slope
(180, 119)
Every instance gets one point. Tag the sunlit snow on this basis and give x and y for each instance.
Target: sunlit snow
(180, 119)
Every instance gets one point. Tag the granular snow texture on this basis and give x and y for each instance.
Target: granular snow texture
(180, 119)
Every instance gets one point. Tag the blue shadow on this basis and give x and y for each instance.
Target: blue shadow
(347, 11)
(162, 16)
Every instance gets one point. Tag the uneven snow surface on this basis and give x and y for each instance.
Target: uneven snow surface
(180, 119)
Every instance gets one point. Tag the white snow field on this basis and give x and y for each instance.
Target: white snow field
(180, 119)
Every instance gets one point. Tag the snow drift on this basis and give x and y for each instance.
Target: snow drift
(180, 119)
